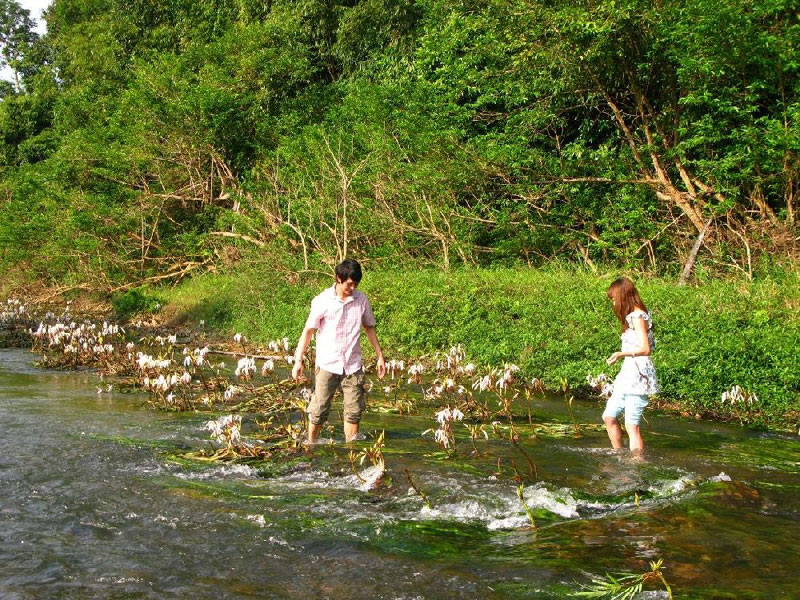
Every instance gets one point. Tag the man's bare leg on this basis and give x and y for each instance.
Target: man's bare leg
(614, 432)
(313, 432)
(350, 431)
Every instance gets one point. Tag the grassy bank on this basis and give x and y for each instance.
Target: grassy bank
(554, 324)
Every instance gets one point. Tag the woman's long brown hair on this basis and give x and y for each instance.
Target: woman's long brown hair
(626, 299)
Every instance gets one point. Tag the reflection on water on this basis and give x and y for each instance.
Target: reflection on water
(92, 505)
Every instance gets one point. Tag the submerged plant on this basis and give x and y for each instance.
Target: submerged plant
(418, 490)
(528, 511)
(572, 416)
(476, 430)
(625, 586)
(373, 453)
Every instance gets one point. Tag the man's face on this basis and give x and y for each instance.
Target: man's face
(346, 288)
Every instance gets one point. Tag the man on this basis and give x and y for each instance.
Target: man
(338, 314)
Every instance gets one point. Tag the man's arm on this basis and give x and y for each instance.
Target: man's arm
(302, 345)
(373, 340)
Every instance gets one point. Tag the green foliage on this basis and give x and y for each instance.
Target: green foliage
(134, 301)
(485, 132)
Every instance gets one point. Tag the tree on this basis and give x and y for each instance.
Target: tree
(16, 36)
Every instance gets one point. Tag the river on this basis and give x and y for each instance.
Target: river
(95, 505)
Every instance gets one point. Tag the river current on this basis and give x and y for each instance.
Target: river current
(95, 504)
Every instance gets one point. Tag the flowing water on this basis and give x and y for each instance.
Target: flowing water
(93, 504)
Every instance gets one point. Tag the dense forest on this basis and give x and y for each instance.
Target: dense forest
(145, 141)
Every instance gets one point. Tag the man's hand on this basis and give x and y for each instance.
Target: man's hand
(381, 367)
(298, 371)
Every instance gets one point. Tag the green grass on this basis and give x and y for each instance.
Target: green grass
(553, 323)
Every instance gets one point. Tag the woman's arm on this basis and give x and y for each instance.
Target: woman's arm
(640, 327)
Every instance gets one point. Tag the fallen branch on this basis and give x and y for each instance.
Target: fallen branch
(180, 273)
(687, 269)
(240, 236)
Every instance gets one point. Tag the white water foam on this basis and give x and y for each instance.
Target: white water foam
(172, 523)
(257, 519)
(220, 472)
(372, 476)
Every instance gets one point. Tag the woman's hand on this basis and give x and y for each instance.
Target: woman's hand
(614, 358)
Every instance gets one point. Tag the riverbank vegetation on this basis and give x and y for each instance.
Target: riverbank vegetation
(555, 324)
(244, 148)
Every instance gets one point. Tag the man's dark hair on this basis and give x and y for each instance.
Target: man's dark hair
(348, 269)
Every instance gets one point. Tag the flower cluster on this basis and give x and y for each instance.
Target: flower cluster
(196, 357)
(602, 383)
(226, 430)
(737, 395)
(444, 435)
(451, 360)
(395, 366)
(79, 343)
(278, 345)
(14, 310)
(245, 368)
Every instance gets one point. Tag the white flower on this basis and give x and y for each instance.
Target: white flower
(441, 437)
(246, 367)
(482, 383)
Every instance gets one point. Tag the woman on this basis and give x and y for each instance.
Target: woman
(637, 377)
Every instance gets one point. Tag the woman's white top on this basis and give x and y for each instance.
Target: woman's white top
(638, 373)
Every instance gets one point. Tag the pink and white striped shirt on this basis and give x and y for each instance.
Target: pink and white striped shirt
(338, 323)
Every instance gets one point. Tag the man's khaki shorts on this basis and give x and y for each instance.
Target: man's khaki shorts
(325, 386)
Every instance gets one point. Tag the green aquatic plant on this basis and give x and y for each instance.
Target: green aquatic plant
(476, 430)
(534, 472)
(625, 586)
(418, 490)
(373, 453)
(528, 511)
